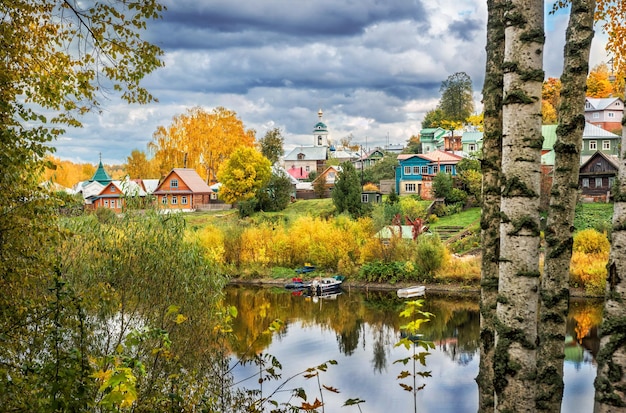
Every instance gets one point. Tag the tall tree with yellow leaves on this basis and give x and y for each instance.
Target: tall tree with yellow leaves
(200, 140)
(598, 83)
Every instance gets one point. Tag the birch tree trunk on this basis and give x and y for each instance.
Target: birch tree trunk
(516, 327)
(610, 381)
(554, 298)
(490, 217)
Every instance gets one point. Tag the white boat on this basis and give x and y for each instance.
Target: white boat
(414, 291)
(326, 285)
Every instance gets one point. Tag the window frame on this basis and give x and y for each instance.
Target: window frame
(606, 145)
(174, 183)
(409, 187)
(593, 145)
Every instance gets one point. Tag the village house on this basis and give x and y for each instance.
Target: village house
(605, 113)
(184, 190)
(415, 172)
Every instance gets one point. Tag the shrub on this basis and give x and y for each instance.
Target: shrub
(590, 241)
(430, 255)
(211, 239)
(589, 271)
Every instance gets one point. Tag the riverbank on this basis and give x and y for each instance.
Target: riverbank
(433, 288)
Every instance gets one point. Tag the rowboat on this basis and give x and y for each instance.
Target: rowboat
(414, 291)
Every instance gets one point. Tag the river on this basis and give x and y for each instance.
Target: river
(359, 329)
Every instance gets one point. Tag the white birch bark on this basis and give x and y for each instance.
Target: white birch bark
(516, 332)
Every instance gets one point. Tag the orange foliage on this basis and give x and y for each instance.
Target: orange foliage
(68, 173)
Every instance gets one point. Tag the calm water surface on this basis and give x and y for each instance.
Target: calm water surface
(359, 329)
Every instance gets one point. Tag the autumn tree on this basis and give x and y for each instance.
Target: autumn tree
(433, 118)
(57, 58)
(413, 144)
(244, 173)
(138, 166)
(550, 96)
(67, 173)
(598, 83)
(271, 145)
(200, 140)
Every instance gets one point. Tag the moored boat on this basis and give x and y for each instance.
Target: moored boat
(305, 269)
(326, 285)
(413, 291)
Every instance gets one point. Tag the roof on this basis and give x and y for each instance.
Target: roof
(440, 156)
(311, 153)
(600, 103)
(548, 158)
(298, 172)
(101, 175)
(471, 137)
(613, 160)
(126, 187)
(191, 178)
(150, 185)
(389, 230)
(279, 170)
(592, 131)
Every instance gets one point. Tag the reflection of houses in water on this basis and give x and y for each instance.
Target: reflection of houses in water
(451, 347)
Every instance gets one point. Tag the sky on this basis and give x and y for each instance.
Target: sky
(373, 67)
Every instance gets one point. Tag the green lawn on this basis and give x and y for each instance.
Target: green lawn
(462, 219)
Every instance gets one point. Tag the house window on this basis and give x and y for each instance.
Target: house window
(598, 182)
(596, 115)
(307, 168)
(174, 183)
(300, 156)
(164, 200)
(409, 187)
(407, 170)
(106, 203)
(364, 198)
(606, 145)
(183, 199)
(471, 147)
(435, 170)
(593, 145)
(213, 196)
(424, 170)
(119, 203)
(416, 170)
(174, 200)
(449, 169)
(112, 204)
(611, 114)
(611, 181)
(587, 105)
(112, 188)
(585, 182)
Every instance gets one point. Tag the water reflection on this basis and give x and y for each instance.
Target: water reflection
(358, 329)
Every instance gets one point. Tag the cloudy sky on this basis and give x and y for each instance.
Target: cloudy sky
(374, 68)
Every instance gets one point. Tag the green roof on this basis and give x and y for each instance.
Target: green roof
(549, 136)
(101, 175)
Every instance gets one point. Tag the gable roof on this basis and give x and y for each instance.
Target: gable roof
(599, 103)
(471, 137)
(331, 168)
(592, 131)
(612, 160)
(311, 153)
(191, 178)
(125, 187)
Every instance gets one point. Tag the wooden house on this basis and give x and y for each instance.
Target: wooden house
(415, 172)
(596, 176)
(115, 194)
(605, 113)
(183, 190)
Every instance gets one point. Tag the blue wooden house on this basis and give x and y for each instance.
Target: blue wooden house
(415, 172)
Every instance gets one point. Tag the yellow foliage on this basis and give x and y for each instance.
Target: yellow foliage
(589, 271)
(370, 187)
(590, 241)
(212, 240)
(459, 269)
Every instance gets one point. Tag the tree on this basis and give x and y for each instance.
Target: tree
(347, 191)
(244, 173)
(517, 307)
(319, 186)
(554, 298)
(548, 113)
(276, 195)
(271, 145)
(138, 166)
(200, 140)
(433, 118)
(57, 58)
(385, 168)
(598, 83)
(490, 217)
(413, 144)
(457, 103)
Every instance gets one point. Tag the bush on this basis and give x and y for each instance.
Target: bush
(590, 241)
(430, 255)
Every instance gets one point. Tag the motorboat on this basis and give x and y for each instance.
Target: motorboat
(414, 291)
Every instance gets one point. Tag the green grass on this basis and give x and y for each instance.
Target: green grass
(595, 215)
(462, 219)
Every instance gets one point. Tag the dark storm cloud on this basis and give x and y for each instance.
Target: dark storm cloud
(467, 29)
(280, 19)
